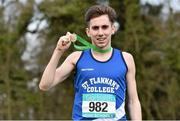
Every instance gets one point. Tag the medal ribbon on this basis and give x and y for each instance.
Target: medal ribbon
(86, 45)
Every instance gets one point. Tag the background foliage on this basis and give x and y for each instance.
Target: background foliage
(153, 41)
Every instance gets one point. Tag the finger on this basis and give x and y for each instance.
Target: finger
(68, 33)
(64, 43)
(71, 36)
(65, 38)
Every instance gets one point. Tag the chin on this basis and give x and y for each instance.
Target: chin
(101, 46)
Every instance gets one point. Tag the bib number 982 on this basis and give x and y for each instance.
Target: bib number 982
(98, 106)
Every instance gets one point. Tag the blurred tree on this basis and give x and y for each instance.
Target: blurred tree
(62, 16)
(12, 77)
(153, 43)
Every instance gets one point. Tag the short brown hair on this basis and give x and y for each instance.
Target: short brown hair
(98, 10)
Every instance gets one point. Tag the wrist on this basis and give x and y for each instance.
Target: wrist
(57, 49)
(58, 52)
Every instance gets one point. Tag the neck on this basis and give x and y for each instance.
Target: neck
(104, 51)
(102, 56)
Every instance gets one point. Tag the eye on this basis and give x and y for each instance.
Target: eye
(95, 27)
(105, 26)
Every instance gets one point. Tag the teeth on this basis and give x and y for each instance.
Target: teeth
(100, 39)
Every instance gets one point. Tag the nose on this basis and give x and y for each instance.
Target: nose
(100, 32)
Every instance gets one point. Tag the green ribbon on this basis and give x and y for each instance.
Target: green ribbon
(87, 45)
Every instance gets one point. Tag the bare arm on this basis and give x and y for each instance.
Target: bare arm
(133, 100)
(53, 75)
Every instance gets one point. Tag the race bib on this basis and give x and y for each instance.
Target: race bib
(98, 105)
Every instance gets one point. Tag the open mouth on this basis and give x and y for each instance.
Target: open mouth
(101, 39)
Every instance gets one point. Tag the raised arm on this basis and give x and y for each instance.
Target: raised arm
(53, 75)
(133, 100)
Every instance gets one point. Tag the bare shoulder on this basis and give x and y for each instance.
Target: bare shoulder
(74, 57)
(127, 56)
(128, 59)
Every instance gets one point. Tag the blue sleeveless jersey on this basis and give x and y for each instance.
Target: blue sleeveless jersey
(100, 87)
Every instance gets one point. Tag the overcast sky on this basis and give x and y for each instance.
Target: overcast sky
(173, 4)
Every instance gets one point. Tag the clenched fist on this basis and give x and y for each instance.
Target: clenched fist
(64, 42)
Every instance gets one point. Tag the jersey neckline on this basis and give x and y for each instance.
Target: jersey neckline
(90, 51)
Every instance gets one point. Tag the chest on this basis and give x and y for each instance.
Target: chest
(110, 69)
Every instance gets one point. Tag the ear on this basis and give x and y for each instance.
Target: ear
(113, 29)
(87, 32)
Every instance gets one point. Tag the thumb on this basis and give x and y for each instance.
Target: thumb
(72, 37)
(68, 34)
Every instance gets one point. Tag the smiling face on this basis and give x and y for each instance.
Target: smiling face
(100, 31)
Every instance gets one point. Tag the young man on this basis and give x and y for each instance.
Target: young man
(101, 79)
